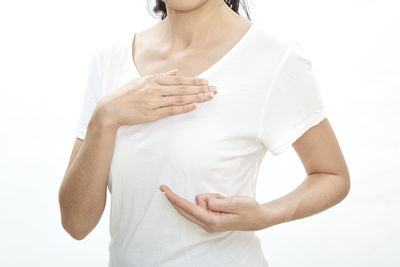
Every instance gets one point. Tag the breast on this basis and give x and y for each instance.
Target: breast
(214, 146)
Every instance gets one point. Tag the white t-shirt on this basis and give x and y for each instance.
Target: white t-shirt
(267, 98)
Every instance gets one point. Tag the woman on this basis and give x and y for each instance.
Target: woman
(182, 176)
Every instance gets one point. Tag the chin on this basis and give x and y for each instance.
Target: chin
(184, 5)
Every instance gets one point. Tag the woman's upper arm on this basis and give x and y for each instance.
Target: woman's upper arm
(319, 150)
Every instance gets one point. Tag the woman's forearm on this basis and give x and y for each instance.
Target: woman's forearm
(83, 192)
(316, 193)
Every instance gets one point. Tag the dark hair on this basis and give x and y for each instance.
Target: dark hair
(233, 4)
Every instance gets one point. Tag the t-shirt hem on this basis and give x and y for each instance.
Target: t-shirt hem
(80, 133)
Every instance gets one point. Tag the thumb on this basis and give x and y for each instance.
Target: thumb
(222, 204)
(202, 199)
(172, 72)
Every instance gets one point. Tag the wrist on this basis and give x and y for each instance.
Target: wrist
(274, 214)
(102, 120)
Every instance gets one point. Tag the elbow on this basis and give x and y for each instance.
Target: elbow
(346, 184)
(72, 225)
(77, 236)
(69, 220)
(73, 231)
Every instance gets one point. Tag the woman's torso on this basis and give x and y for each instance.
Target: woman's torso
(214, 148)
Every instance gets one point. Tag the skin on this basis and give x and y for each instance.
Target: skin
(172, 43)
(82, 194)
(326, 184)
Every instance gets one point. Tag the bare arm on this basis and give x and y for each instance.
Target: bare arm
(327, 182)
(83, 192)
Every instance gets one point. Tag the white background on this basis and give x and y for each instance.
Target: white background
(354, 46)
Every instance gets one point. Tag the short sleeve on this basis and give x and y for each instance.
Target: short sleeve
(293, 103)
(90, 97)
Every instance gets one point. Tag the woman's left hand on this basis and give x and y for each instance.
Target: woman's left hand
(215, 212)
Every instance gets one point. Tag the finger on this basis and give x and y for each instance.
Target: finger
(176, 90)
(172, 72)
(196, 211)
(226, 220)
(173, 110)
(188, 216)
(201, 202)
(179, 80)
(228, 205)
(184, 100)
(202, 199)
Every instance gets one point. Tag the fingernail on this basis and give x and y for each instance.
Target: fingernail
(173, 70)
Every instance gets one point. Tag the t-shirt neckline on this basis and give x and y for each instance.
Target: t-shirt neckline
(231, 52)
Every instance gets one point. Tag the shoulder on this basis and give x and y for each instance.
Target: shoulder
(278, 45)
(112, 54)
(271, 39)
(281, 47)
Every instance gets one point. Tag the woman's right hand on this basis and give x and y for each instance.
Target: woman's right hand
(154, 96)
